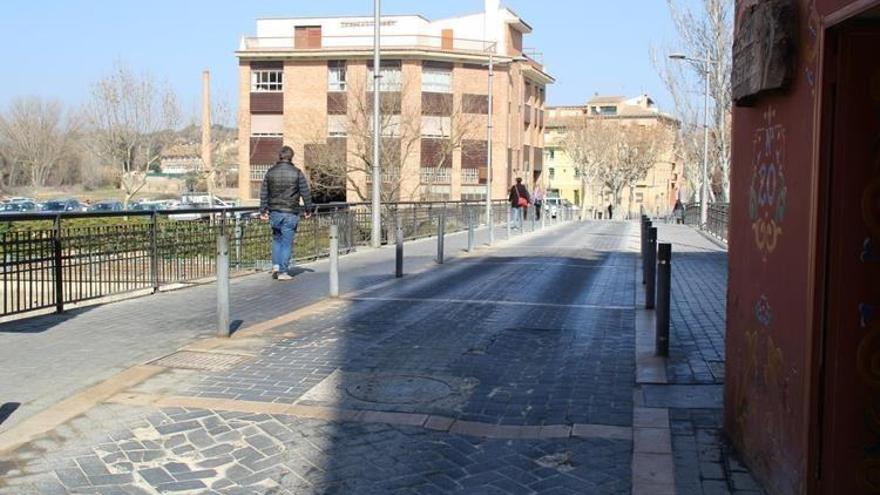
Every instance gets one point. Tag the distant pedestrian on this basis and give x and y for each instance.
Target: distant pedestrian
(519, 202)
(610, 212)
(283, 187)
(538, 198)
(678, 211)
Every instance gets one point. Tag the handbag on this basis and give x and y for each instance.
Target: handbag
(520, 201)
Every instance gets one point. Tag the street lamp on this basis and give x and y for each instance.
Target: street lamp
(376, 234)
(704, 191)
(489, 138)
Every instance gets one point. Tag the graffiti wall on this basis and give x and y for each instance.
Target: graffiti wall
(773, 335)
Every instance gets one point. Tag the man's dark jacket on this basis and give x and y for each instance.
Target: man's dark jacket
(282, 189)
(514, 198)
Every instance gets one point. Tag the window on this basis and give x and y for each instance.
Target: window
(337, 125)
(608, 110)
(436, 127)
(551, 154)
(552, 172)
(389, 77)
(640, 197)
(336, 76)
(258, 172)
(267, 81)
(436, 80)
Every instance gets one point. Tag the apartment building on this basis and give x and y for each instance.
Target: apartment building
(656, 193)
(308, 83)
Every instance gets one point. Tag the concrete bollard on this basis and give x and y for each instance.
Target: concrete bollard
(664, 298)
(398, 258)
(334, 260)
(651, 268)
(222, 285)
(471, 239)
(441, 232)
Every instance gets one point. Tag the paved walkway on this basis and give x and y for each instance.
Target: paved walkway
(510, 370)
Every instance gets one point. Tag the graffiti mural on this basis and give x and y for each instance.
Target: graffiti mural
(767, 190)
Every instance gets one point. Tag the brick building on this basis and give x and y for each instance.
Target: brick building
(307, 83)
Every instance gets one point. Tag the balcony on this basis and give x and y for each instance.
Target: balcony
(365, 43)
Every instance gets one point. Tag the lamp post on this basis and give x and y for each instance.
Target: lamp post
(704, 191)
(489, 134)
(376, 234)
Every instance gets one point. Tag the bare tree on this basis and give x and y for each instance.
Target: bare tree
(37, 136)
(586, 141)
(132, 118)
(705, 31)
(634, 149)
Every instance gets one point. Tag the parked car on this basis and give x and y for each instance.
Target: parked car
(107, 205)
(61, 205)
(18, 207)
(20, 199)
(551, 206)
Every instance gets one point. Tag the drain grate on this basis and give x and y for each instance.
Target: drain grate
(209, 361)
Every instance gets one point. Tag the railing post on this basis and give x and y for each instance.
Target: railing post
(441, 232)
(645, 228)
(222, 284)
(509, 215)
(651, 268)
(470, 233)
(532, 211)
(543, 217)
(59, 267)
(664, 286)
(398, 259)
(334, 260)
(154, 251)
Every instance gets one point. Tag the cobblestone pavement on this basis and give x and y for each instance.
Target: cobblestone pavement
(44, 359)
(508, 371)
(704, 462)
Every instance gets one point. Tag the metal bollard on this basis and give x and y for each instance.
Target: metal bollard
(471, 234)
(543, 218)
(648, 226)
(398, 258)
(222, 285)
(509, 219)
(532, 211)
(651, 268)
(664, 298)
(441, 231)
(334, 260)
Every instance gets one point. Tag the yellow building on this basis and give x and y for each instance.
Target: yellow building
(656, 193)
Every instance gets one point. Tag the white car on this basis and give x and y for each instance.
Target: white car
(551, 206)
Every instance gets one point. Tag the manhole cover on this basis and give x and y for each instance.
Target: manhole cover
(398, 389)
(210, 361)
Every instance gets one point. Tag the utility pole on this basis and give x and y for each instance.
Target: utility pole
(207, 159)
(376, 236)
(489, 132)
(704, 202)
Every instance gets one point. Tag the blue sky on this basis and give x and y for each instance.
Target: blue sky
(57, 48)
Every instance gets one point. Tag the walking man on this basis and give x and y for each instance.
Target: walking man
(610, 212)
(280, 194)
(519, 201)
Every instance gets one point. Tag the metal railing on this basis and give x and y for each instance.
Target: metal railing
(716, 221)
(51, 260)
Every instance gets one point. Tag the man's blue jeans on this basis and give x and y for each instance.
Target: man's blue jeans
(516, 217)
(283, 233)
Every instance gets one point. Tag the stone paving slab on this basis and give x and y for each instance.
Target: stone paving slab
(48, 358)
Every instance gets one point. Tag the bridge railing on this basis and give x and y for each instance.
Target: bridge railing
(50, 260)
(716, 221)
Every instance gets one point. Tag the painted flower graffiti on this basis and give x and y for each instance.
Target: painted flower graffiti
(767, 190)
